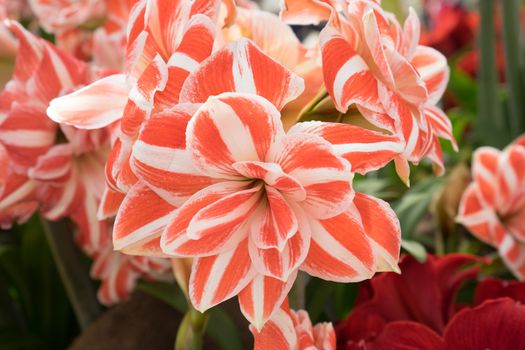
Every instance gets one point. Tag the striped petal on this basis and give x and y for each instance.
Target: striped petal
(93, 234)
(274, 222)
(94, 106)
(196, 45)
(511, 180)
(411, 33)
(277, 334)
(366, 150)
(325, 176)
(219, 277)
(229, 128)
(485, 173)
(160, 158)
(281, 264)
(340, 250)
(262, 297)
(440, 124)
(142, 217)
(347, 76)
(26, 134)
(55, 165)
(227, 228)
(18, 199)
(242, 67)
(109, 203)
(382, 228)
(480, 220)
(433, 68)
(512, 251)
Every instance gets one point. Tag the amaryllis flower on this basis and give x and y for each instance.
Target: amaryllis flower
(41, 73)
(371, 61)
(423, 293)
(166, 41)
(493, 206)
(497, 324)
(418, 310)
(251, 203)
(289, 329)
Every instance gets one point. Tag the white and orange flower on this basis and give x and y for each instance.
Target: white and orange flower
(372, 62)
(166, 41)
(251, 203)
(493, 206)
(293, 330)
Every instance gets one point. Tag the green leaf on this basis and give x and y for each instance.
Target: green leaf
(416, 249)
(169, 293)
(414, 204)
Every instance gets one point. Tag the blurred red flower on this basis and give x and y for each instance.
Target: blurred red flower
(418, 310)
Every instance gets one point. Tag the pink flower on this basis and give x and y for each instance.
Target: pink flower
(371, 61)
(255, 204)
(289, 329)
(493, 206)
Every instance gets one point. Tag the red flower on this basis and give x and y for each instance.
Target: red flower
(417, 310)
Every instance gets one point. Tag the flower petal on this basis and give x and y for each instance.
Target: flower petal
(262, 297)
(433, 68)
(160, 158)
(382, 228)
(339, 250)
(242, 67)
(176, 241)
(229, 128)
(325, 176)
(94, 106)
(141, 219)
(485, 172)
(499, 324)
(277, 334)
(347, 76)
(219, 277)
(366, 150)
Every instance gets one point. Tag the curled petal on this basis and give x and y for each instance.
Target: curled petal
(94, 106)
(230, 128)
(433, 68)
(325, 176)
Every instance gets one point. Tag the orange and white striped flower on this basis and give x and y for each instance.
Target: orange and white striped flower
(251, 203)
(166, 40)
(493, 206)
(371, 61)
(293, 330)
(41, 72)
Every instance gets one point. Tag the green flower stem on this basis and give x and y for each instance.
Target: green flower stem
(191, 330)
(511, 16)
(73, 272)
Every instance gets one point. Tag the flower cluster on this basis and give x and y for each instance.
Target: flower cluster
(194, 107)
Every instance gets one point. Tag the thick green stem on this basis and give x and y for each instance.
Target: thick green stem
(191, 330)
(490, 122)
(73, 272)
(511, 16)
